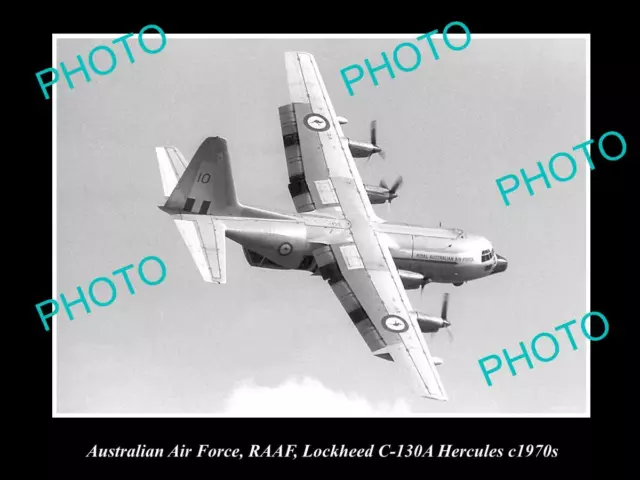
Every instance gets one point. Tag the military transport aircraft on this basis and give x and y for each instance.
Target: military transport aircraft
(367, 262)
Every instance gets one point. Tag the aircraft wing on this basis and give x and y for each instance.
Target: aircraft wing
(363, 276)
(360, 270)
(322, 173)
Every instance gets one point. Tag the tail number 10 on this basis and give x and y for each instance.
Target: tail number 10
(203, 178)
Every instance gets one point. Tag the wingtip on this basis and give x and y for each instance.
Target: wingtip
(437, 397)
(295, 53)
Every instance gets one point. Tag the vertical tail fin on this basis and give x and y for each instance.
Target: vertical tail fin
(205, 186)
(200, 195)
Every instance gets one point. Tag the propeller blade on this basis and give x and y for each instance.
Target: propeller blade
(424, 284)
(374, 133)
(396, 185)
(382, 154)
(383, 184)
(445, 306)
(449, 334)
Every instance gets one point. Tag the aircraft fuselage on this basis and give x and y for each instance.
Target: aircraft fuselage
(422, 255)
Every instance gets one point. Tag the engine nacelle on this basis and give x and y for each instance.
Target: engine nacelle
(411, 280)
(430, 324)
(376, 195)
(362, 149)
(342, 121)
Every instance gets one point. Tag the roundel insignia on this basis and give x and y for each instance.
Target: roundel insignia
(316, 122)
(395, 324)
(285, 249)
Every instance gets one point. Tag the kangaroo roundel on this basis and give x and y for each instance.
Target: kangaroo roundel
(285, 249)
(316, 122)
(395, 324)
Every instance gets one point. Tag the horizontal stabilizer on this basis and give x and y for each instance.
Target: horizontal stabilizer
(172, 165)
(205, 239)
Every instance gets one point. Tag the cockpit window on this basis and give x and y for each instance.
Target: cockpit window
(487, 255)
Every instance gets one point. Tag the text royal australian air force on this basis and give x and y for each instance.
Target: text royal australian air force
(437, 257)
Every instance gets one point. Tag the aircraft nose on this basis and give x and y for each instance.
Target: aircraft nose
(501, 265)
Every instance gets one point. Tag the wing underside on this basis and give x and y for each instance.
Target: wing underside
(375, 300)
(322, 173)
(360, 270)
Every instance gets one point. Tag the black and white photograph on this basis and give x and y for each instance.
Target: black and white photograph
(328, 247)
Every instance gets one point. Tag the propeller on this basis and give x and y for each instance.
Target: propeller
(394, 188)
(374, 140)
(443, 315)
(445, 306)
(425, 282)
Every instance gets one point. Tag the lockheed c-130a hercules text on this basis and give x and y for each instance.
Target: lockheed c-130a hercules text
(335, 234)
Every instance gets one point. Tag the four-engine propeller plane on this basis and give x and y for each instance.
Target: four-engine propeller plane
(367, 262)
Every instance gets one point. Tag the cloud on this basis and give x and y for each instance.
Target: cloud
(306, 397)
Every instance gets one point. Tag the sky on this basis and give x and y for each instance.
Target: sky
(278, 342)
